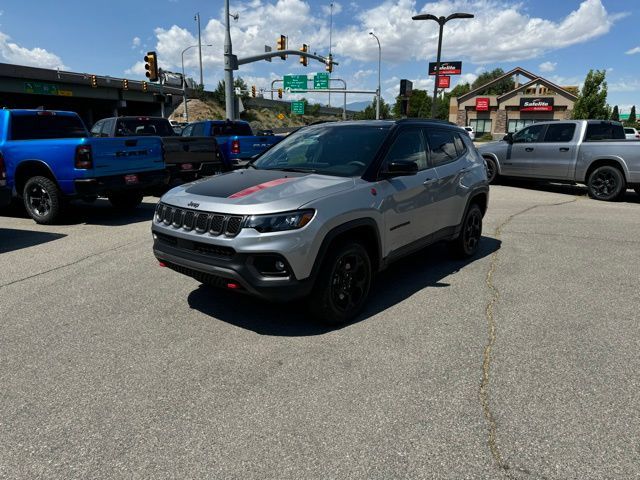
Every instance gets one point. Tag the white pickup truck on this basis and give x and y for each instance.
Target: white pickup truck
(593, 152)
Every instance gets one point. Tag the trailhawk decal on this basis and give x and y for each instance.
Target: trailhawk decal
(261, 186)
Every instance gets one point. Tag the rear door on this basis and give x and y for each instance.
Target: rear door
(408, 203)
(522, 151)
(555, 156)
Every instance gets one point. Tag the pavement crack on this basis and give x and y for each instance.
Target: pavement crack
(69, 264)
(483, 392)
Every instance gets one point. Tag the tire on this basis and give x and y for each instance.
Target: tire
(606, 183)
(125, 200)
(343, 284)
(42, 200)
(637, 190)
(467, 243)
(492, 169)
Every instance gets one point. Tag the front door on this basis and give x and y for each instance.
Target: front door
(407, 205)
(556, 154)
(523, 151)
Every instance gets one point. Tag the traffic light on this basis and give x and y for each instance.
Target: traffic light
(304, 60)
(253, 91)
(125, 84)
(94, 81)
(144, 87)
(151, 66)
(329, 62)
(279, 93)
(282, 45)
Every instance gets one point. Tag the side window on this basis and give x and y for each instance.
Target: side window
(560, 132)
(187, 131)
(460, 146)
(530, 134)
(604, 131)
(442, 145)
(107, 128)
(198, 130)
(408, 147)
(97, 129)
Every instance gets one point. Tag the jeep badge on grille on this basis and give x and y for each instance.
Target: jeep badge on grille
(193, 204)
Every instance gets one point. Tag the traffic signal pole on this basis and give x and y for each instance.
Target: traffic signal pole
(230, 61)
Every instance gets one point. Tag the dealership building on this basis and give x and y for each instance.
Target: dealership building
(533, 99)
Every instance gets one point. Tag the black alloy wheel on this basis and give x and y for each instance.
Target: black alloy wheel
(606, 183)
(467, 243)
(42, 200)
(492, 169)
(349, 282)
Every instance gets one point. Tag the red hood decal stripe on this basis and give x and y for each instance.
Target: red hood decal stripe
(261, 186)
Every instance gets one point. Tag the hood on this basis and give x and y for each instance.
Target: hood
(252, 191)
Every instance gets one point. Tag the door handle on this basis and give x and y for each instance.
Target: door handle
(564, 149)
(528, 149)
(429, 181)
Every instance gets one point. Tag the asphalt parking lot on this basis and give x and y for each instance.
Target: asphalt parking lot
(523, 363)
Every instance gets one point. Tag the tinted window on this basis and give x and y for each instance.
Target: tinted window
(37, 127)
(604, 131)
(230, 128)
(187, 131)
(198, 130)
(408, 147)
(460, 147)
(343, 151)
(97, 129)
(144, 126)
(442, 146)
(530, 134)
(560, 132)
(630, 130)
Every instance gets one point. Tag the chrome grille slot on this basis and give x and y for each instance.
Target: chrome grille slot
(168, 215)
(159, 212)
(202, 219)
(233, 226)
(217, 222)
(188, 220)
(178, 216)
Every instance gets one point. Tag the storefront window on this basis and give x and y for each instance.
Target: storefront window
(515, 125)
(480, 126)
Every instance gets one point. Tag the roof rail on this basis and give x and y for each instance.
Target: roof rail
(431, 120)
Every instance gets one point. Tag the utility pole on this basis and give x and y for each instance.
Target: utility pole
(197, 18)
(330, 43)
(229, 62)
(379, 65)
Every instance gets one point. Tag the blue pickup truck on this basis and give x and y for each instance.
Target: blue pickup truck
(237, 142)
(49, 158)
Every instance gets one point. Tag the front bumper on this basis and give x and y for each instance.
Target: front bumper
(5, 196)
(222, 266)
(102, 186)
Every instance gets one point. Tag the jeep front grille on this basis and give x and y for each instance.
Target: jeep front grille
(185, 219)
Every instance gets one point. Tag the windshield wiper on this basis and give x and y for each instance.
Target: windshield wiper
(294, 169)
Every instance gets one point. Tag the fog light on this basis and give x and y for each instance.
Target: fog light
(280, 266)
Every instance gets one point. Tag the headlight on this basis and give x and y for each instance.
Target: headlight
(280, 222)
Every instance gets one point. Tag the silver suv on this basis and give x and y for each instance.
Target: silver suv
(319, 213)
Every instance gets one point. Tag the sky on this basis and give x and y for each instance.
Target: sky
(557, 39)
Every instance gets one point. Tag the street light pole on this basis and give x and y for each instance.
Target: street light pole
(184, 81)
(330, 42)
(379, 65)
(197, 18)
(228, 66)
(441, 21)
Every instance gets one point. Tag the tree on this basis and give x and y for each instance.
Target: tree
(500, 88)
(219, 95)
(592, 100)
(369, 113)
(615, 114)
(632, 116)
(419, 105)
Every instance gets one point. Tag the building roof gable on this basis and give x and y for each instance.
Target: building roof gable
(536, 81)
(510, 73)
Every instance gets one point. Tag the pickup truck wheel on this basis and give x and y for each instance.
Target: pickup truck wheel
(637, 190)
(126, 200)
(466, 245)
(606, 183)
(42, 200)
(492, 169)
(343, 284)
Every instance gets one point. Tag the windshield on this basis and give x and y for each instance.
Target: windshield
(128, 127)
(340, 150)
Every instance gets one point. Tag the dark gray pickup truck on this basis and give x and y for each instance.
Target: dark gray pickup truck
(186, 158)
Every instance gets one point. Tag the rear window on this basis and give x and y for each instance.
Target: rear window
(604, 131)
(41, 127)
(128, 127)
(560, 132)
(630, 130)
(442, 144)
(240, 129)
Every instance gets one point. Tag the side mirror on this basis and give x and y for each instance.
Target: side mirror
(508, 138)
(401, 168)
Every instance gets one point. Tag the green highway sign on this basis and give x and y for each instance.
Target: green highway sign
(321, 81)
(40, 88)
(295, 82)
(297, 107)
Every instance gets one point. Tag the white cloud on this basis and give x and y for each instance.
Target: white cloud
(11, 52)
(135, 43)
(547, 66)
(633, 51)
(360, 74)
(337, 8)
(625, 85)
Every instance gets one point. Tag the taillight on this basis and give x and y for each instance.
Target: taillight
(84, 158)
(235, 147)
(3, 171)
